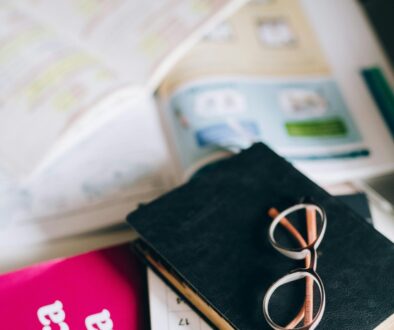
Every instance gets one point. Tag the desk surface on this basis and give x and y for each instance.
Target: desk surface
(15, 257)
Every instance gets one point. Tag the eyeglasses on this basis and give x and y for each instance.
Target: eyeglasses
(307, 251)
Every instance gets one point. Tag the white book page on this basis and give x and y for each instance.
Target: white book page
(168, 311)
(61, 81)
(133, 37)
(45, 84)
(93, 186)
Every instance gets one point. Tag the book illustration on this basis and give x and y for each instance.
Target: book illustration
(308, 117)
(276, 32)
(303, 103)
(220, 102)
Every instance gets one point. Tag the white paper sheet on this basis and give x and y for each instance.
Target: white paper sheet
(93, 186)
(168, 311)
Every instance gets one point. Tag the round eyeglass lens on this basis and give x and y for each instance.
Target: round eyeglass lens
(298, 227)
(285, 304)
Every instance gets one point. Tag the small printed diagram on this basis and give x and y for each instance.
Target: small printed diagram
(302, 103)
(276, 32)
(211, 105)
(223, 114)
(222, 33)
(221, 102)
(309, 114)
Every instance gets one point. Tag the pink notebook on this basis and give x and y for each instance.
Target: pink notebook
(103, 289)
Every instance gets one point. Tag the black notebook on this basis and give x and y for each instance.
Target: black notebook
(208, 240)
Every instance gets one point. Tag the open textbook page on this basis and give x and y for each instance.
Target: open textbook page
(45, 83)
(288, 73)
(134, 38)
(55, 75)
(91, 187)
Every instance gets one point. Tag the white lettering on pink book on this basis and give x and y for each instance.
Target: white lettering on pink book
(101, 321)
(55, 314)
(52, 313)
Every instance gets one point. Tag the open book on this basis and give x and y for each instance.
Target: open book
(287, 72)
(68, 66)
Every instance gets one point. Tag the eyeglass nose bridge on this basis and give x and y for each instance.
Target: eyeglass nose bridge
(312, 262)
(305, 253)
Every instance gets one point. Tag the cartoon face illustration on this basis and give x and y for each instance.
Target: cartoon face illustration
(302, 103)
(222, 102)
(275, 32)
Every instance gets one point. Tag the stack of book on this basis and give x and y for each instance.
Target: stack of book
(130, 100)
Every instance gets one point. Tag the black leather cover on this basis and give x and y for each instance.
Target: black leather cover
(213, 233)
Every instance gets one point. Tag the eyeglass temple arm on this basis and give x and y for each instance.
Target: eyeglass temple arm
(307, 308)
(312, 235)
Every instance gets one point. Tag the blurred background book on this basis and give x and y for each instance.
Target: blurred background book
(112, 111)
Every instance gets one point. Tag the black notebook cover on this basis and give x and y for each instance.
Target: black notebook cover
(212, 232)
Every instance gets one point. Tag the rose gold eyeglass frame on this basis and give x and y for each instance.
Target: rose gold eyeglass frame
(307, 251)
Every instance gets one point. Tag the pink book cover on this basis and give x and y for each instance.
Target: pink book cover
(103, 289)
